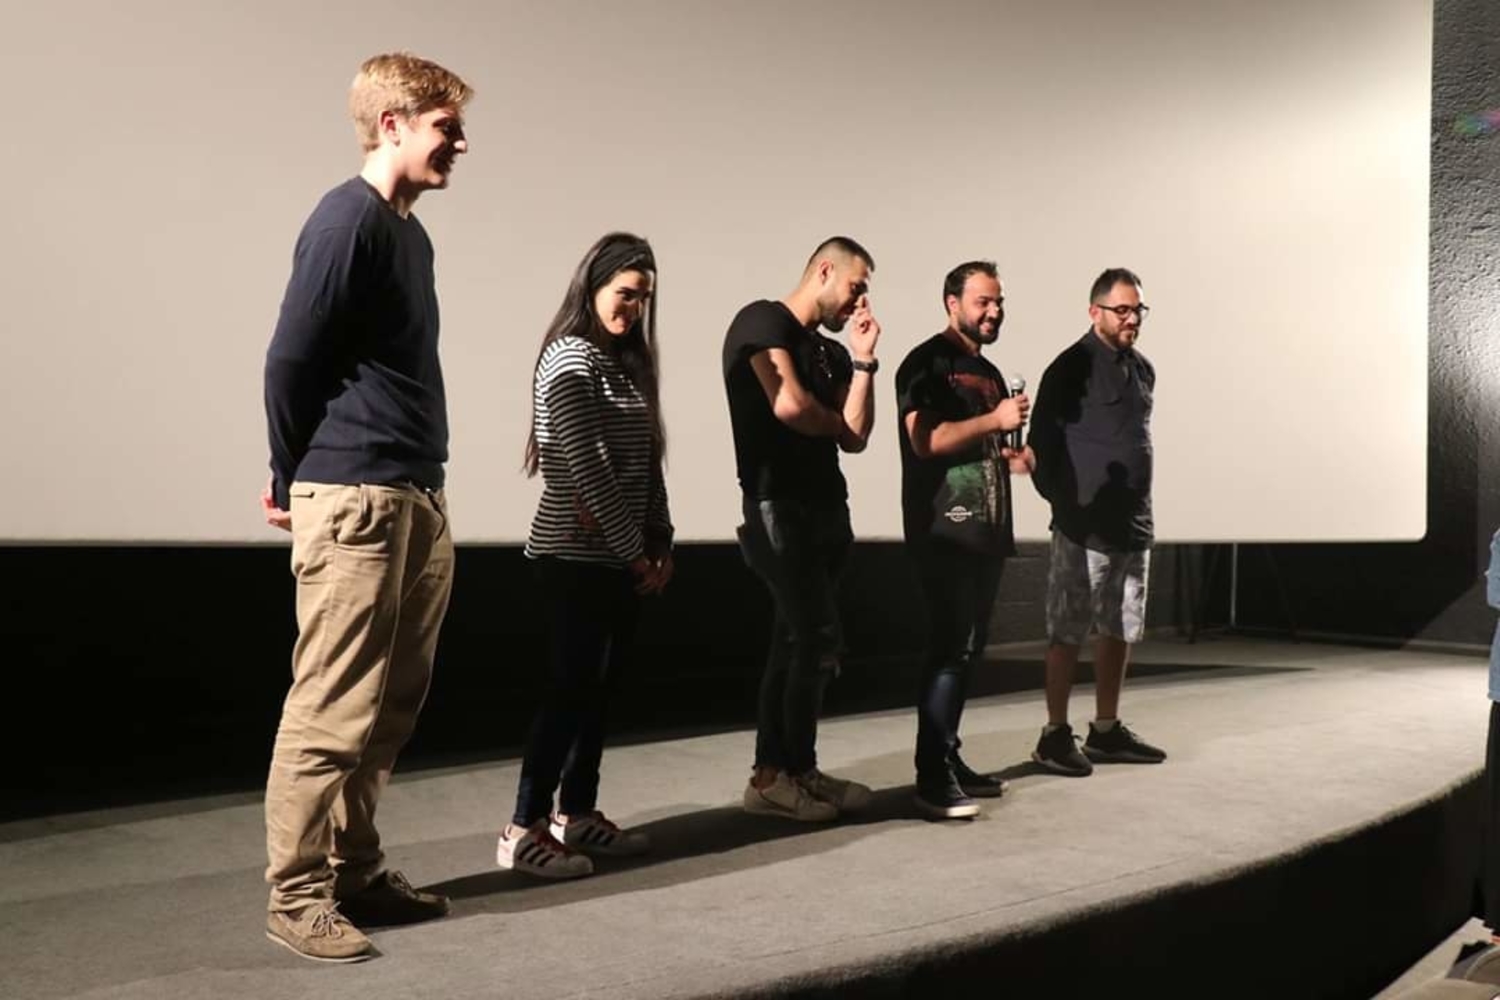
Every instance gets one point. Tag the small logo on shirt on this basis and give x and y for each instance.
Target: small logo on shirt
(958, 515)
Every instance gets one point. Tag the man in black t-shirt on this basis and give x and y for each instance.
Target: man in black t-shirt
(796, 398)
(954, 412)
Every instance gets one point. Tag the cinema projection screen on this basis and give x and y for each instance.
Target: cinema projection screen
(1263, 167)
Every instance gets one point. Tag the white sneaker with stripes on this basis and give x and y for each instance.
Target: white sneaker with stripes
(593, 833)
(535, 851)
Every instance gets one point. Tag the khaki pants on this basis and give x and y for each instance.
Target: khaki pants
(374, 568)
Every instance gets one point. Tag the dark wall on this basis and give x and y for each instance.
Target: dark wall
(140, 673)
(1430, 589)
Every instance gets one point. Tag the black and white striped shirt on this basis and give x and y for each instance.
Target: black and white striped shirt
(603, 493)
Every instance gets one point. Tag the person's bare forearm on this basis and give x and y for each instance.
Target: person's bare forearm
(859, 413)
(953, 437)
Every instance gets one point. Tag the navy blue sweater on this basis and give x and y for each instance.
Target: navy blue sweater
(354, 391)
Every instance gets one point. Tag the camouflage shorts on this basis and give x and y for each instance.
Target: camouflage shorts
(1105, 590)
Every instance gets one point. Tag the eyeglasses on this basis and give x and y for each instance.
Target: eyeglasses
(1141, 310)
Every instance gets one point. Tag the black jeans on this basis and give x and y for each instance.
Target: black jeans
(798, 550)
(959, 586)
(591, 614)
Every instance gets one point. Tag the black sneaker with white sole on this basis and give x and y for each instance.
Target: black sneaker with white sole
(944, 799)
(979, 786)
(1118, 745)
(1058, 752)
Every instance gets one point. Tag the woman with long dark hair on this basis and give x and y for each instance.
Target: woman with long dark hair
(601, 538)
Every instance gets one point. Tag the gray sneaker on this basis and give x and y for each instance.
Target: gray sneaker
(789, 799)
(320, 932)
(843, 795)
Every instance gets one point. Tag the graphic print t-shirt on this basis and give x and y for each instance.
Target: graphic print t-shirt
(962, 498)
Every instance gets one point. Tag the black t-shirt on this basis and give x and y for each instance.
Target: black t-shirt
(774, 461)
(962, 498)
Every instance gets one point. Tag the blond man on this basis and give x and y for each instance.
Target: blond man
(359, 436)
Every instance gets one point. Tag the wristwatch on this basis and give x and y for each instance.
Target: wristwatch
(872, 366)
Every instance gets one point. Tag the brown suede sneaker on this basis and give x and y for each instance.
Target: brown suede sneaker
(319, 932)
(390, 899)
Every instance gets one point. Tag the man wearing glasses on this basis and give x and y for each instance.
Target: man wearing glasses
(1091, 434)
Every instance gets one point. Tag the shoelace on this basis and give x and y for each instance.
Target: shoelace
(812, 788)
(1077, 741)
(1128, 735)
(398, 881)
(799, 791)
(963, 772)
(1124, 733)
(326, 923)
(1072, 735)
(799, 795)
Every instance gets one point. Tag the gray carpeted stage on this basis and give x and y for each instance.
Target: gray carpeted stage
(1282, 757)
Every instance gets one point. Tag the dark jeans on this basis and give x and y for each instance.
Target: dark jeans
(591, 613)
(798, 551)
(959, 586)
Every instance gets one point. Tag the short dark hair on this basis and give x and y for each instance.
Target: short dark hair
(844, 245)
(1106, 282)
(957, 278)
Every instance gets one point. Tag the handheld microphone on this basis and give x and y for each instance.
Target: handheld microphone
(1013, 438)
